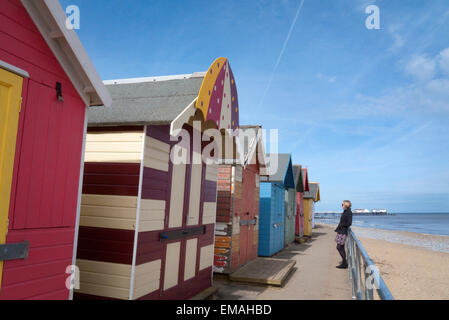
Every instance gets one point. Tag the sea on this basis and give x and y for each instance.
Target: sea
(427, 223)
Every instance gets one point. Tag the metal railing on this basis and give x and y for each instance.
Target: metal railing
(367, 280)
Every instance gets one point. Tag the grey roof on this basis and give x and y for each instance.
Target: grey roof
(313, 191)
(297, 169)
(146, 100)
(283, 161)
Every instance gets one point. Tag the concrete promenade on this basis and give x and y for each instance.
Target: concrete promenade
(314, 277)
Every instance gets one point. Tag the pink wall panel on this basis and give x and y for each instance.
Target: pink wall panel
(47, 163)
(50, 157)
(43, 272)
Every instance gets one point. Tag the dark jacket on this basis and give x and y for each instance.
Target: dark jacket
(345, 222)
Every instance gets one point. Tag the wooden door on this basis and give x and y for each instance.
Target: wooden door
(50, 153)
(279, 224)
(174, 250)
(245, 215)
(10, 101)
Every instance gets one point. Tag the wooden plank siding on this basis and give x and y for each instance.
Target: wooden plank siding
(176, 269)
(109, 210)
(237, 199)
(47, 160)
(180, 260)
(42, 274)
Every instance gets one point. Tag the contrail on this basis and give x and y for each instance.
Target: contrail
(282, 52)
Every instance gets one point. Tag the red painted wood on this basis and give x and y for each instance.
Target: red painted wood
(111, 178)
(50, 252)
(210, 191)
(47, 163)
(299, 227)
(54, 295)
(149, 247)
(50, 156)
(189, 288)
(247, 209)
(155, 184)
(107, 245)
(36, 288)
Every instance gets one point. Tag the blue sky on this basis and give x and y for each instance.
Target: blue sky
(367, 111)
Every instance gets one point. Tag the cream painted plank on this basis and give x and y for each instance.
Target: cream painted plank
(206, 256)
(104, 267)
(195, 194)
(113, 223)
(108, 136)
(147, 289)
(114, 147)
(153, 225)
(148, 267)
(190, 265)
(108, 212)
(209, 212)
(177, 195)
(151, 142)
(145, 226)
(109, 200)
(211, 172)
(155, 164)
(104, 279)
(148, 215)
(157, 154)
(112, 157)
(146, 278)
(172, 265)
(104, 291)
(148, 204)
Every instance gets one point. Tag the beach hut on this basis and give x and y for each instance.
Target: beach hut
(46, 84)
(310, 198)
(300, 188)
(290, 214)
(272, 203)
(148, 215)
(236, 230)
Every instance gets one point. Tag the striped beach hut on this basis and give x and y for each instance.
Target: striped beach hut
(310, 198)
(149, 195)
(300, 188)
(236, 230)
(273, 208)
(47, 82)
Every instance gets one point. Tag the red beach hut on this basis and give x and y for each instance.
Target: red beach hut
(46, 84)
(236, 230)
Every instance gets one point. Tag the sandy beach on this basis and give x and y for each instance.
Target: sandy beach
(413, 265)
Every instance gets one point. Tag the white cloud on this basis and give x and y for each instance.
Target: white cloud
(439, 87)
(421, 68)
(398, 40)
(443, 60)
(330, 79)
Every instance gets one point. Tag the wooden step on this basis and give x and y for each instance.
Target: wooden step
(269, 271)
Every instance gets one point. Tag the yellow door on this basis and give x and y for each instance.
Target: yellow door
(10, 94)
(308, 217)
